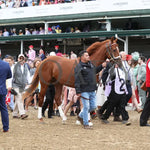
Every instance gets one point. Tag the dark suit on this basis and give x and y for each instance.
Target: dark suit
(5, 73)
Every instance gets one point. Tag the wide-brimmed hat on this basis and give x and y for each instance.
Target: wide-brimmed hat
(21, 55)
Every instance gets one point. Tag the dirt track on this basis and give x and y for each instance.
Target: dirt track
(29, 134)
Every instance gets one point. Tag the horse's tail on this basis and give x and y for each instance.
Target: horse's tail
(29, 92)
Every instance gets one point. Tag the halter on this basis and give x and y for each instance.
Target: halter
(108, 50)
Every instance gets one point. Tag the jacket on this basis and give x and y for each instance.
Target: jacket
(148, 74)
(20, 80)
(5, 73)
(85, 77)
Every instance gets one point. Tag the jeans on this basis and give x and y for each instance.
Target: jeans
(88, 105)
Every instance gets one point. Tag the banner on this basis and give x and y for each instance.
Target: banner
(74, 8)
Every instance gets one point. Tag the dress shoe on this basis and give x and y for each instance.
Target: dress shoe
(43, 115)
(126, 122)
(139, 110)
(72, 113)
(87, 127)
(99, 115)
(117, 118)
(93, 116)
(105, 121)
(146, 125)
(50, 117)
(24, 116)
(5, 130)
(80, 119)
(57, 113)
(16, 117)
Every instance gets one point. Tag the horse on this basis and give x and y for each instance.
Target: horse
(60, 71)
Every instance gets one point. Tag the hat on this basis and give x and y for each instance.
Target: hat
(21, 55)
(49, 29)
(56, 46)
(52, 54)
(135, 56)
(31, 46)
(59, 54)
(128, 57)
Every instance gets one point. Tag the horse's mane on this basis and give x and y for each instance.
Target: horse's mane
(91, 49)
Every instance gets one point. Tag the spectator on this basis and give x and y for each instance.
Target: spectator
(16, 4)
(23, 3)
(41, 31)
(5, 33)
(20, 32)
(14, 32)
(3, 5)
(50, 30)
(58, 30)
(34, 32)
(31, 53)
(21, 78)
(1, 33)
(141, 77)
(57, 49)
(77, 30)
(41, 54)
(27, 32)
(9, 4)
(53, 29)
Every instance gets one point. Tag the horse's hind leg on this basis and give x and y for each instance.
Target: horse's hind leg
(41, 99)
(58, 89)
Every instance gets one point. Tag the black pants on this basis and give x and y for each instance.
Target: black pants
(50, 93)
(145, 113)
(116, 111)
(119, 101)
(129, 89)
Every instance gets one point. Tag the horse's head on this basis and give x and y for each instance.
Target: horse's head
(112, 50)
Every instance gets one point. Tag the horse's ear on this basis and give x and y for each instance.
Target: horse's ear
(112, 39)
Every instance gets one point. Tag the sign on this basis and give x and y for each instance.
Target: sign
(74, 8)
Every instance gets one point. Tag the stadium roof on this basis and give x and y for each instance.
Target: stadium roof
(79, 17)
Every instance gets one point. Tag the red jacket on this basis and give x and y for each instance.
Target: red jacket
(147, 74)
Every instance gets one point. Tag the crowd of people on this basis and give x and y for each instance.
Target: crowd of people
(40, 31)
(119, 84)
(27, 3)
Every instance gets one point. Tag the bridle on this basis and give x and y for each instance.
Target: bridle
(109, 51)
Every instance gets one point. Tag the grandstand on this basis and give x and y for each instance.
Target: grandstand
(96, 20)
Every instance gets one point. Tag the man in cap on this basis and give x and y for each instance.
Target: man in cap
(21, 77)
(57, 49)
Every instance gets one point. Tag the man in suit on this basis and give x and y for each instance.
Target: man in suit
(5, 73)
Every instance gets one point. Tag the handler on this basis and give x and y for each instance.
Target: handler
(85, 85)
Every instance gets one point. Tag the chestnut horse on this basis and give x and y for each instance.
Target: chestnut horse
(60, 71)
